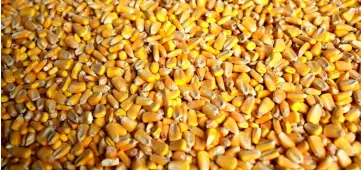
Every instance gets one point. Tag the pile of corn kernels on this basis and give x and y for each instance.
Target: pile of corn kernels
(180, 85)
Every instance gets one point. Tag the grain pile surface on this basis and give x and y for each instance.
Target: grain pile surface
(180, 85)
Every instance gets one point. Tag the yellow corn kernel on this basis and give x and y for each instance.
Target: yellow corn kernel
(179, 165)
(248, 105)
(248, 155)
(316, 146)
(226, 162)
